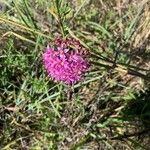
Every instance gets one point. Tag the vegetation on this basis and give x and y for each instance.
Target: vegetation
(109, 109)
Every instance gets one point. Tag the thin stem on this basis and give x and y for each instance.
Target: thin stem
(19, 25)
(122, 68)
(60, 18)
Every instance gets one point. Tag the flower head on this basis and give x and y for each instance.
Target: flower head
(66, 61)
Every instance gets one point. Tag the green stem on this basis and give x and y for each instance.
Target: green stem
(60, 18)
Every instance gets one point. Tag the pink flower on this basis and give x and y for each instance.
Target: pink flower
(66, 62)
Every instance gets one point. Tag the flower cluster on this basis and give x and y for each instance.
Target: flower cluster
(66, 61)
